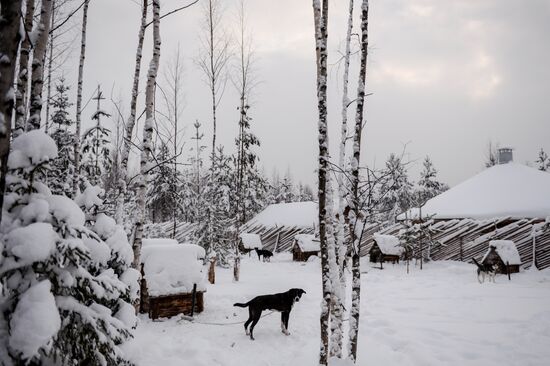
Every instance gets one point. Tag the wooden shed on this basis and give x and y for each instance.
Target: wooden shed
(503, 254)
(305, 246)
(386, 248)
(172, 281)
(247, 242)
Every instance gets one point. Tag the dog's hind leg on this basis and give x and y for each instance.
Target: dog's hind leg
(246, 325)
(254, 322)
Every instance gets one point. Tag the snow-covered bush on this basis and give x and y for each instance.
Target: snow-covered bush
(67, 286)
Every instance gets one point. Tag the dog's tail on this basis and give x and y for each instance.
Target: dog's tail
(240, 304)
(477, 263)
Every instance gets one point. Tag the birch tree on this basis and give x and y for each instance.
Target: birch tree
(23, 78)
(213, 58)
(354, 202)
(37, 81)
(121, 184)
(10, 13)
(146, 146)
(246, 140)
(340, 249)
(79, 97)
(321, 22)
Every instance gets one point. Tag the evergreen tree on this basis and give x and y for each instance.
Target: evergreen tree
(60, 180)
(65, 276)
(395, 190)
(286, 193)
(163, 194)
(96, 153)
(428, 185)
(543, 161)
(214, 231)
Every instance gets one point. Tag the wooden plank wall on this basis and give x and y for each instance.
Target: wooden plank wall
(458, 239)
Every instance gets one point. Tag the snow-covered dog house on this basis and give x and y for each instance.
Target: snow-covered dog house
(278, 224)
(305, 246)
(386, 248)
(248, 242)
(504, 255)
(172, 280)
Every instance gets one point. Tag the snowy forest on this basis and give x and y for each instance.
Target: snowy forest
(108, 196)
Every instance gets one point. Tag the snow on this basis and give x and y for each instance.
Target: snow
(308, 242)
(513, 190)
(66, 210)
(90, 197)
(300, 214)
(35, 320)
(126, 314)
(158, 241)
(99, 251)
(251, 241)
(438, 316)
(172, 269)
(32, 243)
(388, 244)
(32, 148)
(507, 251)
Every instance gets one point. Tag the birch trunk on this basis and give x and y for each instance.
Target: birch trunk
(37, 78)
(121, 184)
(10, 13)
(79, 98)
(340, 248)
(321, 20)
(146, 146)
(23, 79)
(356, 269)
(50, 61)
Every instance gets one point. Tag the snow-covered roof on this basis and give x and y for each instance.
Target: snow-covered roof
(172, 269)
(299, 214)
(251, 241)
(388, 244)
(506, 250)
(307, 243)
(506, 190)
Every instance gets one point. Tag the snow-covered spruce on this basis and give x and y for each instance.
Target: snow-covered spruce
(65, 274)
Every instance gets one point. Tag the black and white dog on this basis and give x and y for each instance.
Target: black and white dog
(266, 254)
(485, 270)
(282, 302)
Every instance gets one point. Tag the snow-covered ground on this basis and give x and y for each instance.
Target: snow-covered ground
(438, 316)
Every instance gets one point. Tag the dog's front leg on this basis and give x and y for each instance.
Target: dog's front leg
(284, 322)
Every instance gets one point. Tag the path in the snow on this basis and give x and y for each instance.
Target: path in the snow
(438, 316)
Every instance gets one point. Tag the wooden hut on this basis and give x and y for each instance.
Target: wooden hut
(305, 246)
(504, 255)
(172, 280)
(385, 249)
(248, 242)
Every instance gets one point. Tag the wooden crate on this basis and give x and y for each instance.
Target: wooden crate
(171, 305)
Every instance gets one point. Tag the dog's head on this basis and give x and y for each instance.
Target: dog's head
(296, 293)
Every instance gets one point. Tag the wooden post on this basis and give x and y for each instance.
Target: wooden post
(461, 249)
(193, 299)
(212, 270)
(534, 260)
(277, 241)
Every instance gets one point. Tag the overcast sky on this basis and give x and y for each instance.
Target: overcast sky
(446, 77)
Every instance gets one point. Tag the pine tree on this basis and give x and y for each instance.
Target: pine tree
(96, 152)
(428, 185)
(65, 275)
(543, 161)
(62, 168)
(395, 190)
(215, 220)
(163, 193)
